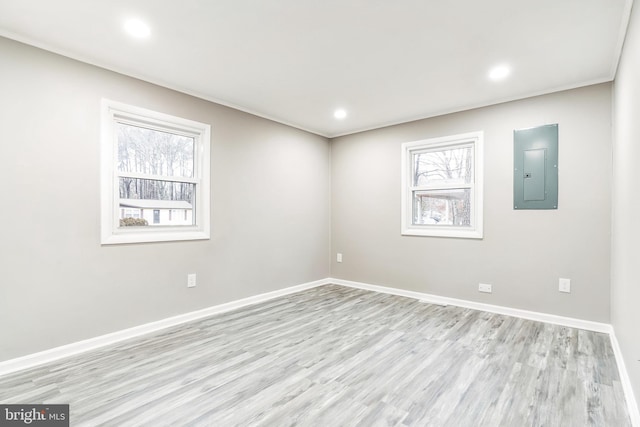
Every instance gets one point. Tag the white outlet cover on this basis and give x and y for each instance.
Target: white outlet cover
(191, 280)
(484, 287)
(339, 257)
(564, 285)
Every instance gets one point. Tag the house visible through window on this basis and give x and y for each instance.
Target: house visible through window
(442, 186)
(130, 213)
(153, 164)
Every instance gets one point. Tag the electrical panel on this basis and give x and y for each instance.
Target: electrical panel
(535, 175)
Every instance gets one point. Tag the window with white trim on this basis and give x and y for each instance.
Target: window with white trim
(153, 163)
(442, 186)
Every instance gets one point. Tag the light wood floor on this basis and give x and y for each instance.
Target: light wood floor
(333, 356)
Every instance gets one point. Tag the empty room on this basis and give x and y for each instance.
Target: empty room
(354, 213)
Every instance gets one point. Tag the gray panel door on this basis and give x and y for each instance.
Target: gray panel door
(535, 175)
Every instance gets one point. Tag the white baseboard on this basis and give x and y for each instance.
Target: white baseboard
(507, 311)
(35, 359)
(56, 353)
(632, 405)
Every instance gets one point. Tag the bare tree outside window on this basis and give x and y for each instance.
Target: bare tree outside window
(153, 153)
(442, 186)
(443, 169)
(155, 176)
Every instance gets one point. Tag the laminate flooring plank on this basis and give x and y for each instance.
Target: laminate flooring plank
(382, 415)
(334, 356)
(304, 408)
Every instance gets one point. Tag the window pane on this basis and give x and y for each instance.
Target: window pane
(447, 166)
(148, 202)
(442, 207)
(154, 152)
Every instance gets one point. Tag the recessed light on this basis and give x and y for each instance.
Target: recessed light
(137, 28)
(340, 114)
(499, 72)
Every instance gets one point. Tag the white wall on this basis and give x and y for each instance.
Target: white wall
(523, 253)
(270, 209)
(625, 253)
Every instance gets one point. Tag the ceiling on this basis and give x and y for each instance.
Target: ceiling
(297, 61)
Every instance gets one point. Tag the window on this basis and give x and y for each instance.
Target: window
(130, 213)
(153, 163)
(442, 186)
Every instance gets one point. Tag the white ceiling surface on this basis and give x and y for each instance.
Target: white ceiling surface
(296, 61)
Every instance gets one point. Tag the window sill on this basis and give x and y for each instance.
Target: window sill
(151, 236)
(450, 232)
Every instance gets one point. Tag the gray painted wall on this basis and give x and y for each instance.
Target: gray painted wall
(625, 276)
(270, 209)
(284, 202)
(523, 253)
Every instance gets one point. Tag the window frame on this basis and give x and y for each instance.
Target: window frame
(113, 112)
(408, 149)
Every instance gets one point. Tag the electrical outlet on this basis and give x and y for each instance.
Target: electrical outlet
(564, 285)
(191, 280)
(483, 287)
(339, 257)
